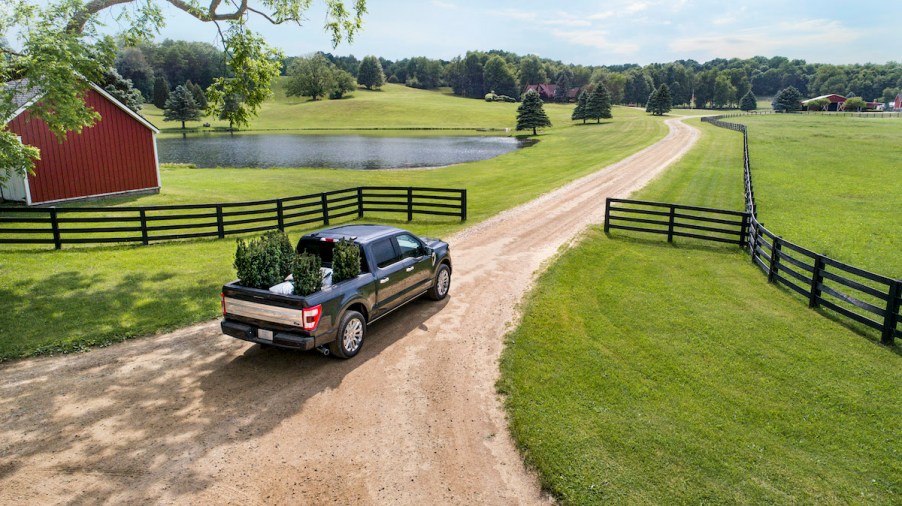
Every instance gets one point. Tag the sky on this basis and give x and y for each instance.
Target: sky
(596, 32)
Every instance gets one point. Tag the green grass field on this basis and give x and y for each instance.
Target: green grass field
(831, 184)
(651, 373)
(88, 296)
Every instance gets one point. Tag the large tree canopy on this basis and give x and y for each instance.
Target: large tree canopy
(58, 51)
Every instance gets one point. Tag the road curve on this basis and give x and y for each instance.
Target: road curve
(196, 417)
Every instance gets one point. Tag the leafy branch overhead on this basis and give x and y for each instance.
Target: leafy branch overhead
(59, 51)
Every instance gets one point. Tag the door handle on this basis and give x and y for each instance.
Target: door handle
(409, 269)
(383, 280)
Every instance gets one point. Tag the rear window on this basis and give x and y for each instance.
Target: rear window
(323, 249)
(384, 253)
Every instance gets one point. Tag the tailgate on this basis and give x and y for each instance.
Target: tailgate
(263, 312)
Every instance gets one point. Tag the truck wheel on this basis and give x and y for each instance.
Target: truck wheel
(442, 283)
(351, 332)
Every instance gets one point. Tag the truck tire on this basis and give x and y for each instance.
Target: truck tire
(442, 283)
(351, 332)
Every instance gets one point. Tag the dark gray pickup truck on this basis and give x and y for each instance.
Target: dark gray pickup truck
(396, 267)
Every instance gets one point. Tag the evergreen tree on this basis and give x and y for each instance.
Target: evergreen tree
(580, 111)
(200, 98)
(662, 103)
(562, 88)
(121, 89)
(599, 104)
(652, 98)
(181, 107)
(787, 100)
(370, 74)
(530, 114)
(160, 92)
(749, 102)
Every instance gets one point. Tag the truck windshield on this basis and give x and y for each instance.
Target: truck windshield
(323, 249)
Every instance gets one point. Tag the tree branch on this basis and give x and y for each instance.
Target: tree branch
(93, 7)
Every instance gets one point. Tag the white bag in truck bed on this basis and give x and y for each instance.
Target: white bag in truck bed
(287, 287)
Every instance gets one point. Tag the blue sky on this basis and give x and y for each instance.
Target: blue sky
(599, 32)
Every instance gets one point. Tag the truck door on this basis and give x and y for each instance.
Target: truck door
(417, 264)
(390, 274)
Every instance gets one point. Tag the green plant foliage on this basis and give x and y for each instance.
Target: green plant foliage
(345, 261)
(660, 102)
(181, 106)
(749, 102)
(306, 274)
(530, 114)
(264, 261)
(598, 105)
(370, 73)
(579, 112)
(788, 100)
(160, 92)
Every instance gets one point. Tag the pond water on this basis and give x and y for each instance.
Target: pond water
(335, 151)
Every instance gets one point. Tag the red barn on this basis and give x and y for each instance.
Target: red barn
(118, 155)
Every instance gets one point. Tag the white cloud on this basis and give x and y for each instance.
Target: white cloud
(594, 38)
(780, 38)
(515, 14)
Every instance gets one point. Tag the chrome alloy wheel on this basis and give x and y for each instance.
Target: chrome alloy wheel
(353, 335)
(444, 281)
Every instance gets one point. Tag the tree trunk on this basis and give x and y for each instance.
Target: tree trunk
(183, 124)
(534, 131)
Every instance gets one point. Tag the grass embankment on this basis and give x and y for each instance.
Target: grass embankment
(394, 106)
(831, 184)
(63, 300)
(644, 372)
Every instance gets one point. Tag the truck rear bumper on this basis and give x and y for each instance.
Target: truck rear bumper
(251, 333)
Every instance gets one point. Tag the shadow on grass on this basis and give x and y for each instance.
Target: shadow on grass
(129, 426)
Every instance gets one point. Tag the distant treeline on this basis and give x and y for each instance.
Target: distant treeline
(716, 83)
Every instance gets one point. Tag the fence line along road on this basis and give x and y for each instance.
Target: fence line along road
(853, 293)
(145, 224)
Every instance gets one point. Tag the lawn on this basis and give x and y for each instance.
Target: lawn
(644, 372)
(88, 296)
(831, 184)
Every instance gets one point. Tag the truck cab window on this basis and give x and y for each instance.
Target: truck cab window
(408, 246)
(384, 253)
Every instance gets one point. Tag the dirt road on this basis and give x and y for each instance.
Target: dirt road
(193, 416)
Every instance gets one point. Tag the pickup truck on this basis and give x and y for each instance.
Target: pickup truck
(396, 268)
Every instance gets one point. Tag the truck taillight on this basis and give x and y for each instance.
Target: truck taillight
(311, 316)
(222, 298)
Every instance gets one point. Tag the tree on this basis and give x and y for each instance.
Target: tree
(200, 98)
(854, 104)
(342, 82)
(724, 91)
(531, 71)
(231, 109)
(499, 77)
(661, 102)
(562, 88)
(62, 52)
(579, 112)
(819, 104)
(652, 100)
(370, 74)
(160, 92)
(121, 89)
(749, 102)
(133, 65)
(599, 104)
(181, 106)
(310, 77)
(530, 114)
(787, 100)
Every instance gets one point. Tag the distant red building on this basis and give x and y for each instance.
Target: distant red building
(118, 155)
(835, 102)
(546, 91)
(897, 104)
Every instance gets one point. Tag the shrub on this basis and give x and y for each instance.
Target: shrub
(264, 261)
(490, 97)
(393, 79)
(345, 261)
(308, 278)
(505, 98)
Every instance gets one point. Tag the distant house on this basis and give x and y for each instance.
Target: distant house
(897, 104)
(116, 156)
(835, 102)
(546, 91)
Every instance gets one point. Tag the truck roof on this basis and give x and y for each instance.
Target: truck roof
(362, 234)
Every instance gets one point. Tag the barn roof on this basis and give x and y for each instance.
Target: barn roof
(24, 95)
(833, 98)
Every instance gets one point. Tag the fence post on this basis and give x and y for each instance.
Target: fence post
(280, 214)
(774, 260)
(892, 312)
(220, 226)
(409, 204)
(55, 224)
(670, 224)
(816, 279)
(325, 201)
(607, 215)
(359, 202)
(743, 230)
(753, 246)
(144, 240)
(463, 205)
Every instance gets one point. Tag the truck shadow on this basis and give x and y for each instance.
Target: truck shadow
(128, 423)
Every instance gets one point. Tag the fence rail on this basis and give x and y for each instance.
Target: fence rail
(674, 220)
(146, 224)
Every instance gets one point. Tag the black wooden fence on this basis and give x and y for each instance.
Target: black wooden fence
(675, 220)
(145, 224)
(867, 298)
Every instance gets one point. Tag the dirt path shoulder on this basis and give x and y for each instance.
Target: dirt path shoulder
(194, 416)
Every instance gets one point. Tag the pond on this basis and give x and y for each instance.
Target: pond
(334, 151)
